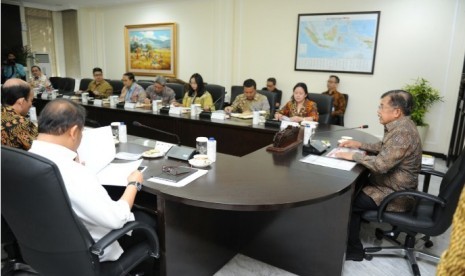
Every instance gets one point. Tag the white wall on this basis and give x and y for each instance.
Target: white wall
(229, 41)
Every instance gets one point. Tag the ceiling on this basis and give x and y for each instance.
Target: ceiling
(59, 5)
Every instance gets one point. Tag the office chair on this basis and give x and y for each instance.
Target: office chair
(52, 239)
(144, 84)
(56, 82)
(218, 93)
(339, 119)
(431, 215)
(84, 84)
(67, 84)
(178, 89)
(324, 105)
(236, 90)
(271, 96)
(117, 86)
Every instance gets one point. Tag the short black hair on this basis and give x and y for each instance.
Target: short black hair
(336, 77)
(11, 93)
(250, 83)
(60, 115)
(272, 80)
(400, 99)
(130, 76)
(36, 66)
(97, 69)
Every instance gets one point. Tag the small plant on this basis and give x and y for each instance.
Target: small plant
(424, 96)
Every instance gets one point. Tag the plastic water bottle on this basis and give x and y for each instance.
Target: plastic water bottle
(123, 133)
(211, 149)
(307, 134)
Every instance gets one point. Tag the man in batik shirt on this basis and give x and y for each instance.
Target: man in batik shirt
(250, 100)
(39, 80)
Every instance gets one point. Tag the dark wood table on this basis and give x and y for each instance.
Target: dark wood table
(269, 206)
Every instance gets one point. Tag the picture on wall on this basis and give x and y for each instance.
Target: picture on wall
(151, 49)
(337, 42)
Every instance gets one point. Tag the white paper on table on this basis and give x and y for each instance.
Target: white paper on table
(116, 174)
(97, 148)
(181, 183)
(123, 155)
(329, 162)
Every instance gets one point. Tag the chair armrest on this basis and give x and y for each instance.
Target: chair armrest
(417, 194)
(104, 242)
(430, 171)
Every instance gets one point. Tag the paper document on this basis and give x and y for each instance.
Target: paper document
(116, 174)
(329, 162)
(97, 148)
(128, 156)
(182, 182)
(333, 152)
(427, 160)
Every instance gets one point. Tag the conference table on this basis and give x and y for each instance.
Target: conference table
(266, 205)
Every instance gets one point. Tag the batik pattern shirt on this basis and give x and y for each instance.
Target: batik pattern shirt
(103, 88)
(167, 96)
(339, 103)
(309, 109)
(42, 83)
(395, 165)
(258, 103)
(17, 131)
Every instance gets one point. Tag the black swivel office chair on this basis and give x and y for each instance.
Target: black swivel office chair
(117, 86)
(218, 93)
(431, 216)
(324, 104)
(55, 81)
(178, 89)
(236, 90)
(51, 237)
(84, 84)
(67, 84)
(144, 84)
(271, 96)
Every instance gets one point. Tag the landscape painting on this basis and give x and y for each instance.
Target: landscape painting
(151, 49)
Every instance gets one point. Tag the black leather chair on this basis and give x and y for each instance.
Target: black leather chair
(84, 84)
(235, 91)
(218, 93)
(324, 105)
(117, 86)
(178, 90)
(431, 216)
(271, 96)
(144, 84)
(55, 81)
(51, 237)
(67, 84)
(339, 119)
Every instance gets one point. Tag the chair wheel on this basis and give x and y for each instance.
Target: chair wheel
(368, 257)
(379, 234)
(429, 244)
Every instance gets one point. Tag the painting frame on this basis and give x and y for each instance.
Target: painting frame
(320, 48)
(151, 49)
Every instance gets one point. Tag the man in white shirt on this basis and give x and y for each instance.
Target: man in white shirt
(61, 123)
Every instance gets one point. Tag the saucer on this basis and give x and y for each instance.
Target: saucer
(152, 154)
(200, 163)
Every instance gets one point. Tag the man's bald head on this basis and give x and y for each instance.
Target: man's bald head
(14, 89)
(60, 115)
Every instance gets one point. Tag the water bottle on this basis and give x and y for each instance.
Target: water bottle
(123, 134)
(307, 134)
(211, 149)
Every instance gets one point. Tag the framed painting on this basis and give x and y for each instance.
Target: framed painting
(151, 49)
(337, 42)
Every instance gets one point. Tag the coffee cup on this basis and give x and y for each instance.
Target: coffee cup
(85, 97)
(113, 101)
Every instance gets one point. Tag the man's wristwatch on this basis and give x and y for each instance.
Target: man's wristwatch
(137, 184)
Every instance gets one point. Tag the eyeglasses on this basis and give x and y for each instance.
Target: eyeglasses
(382, 107)
(173, 170)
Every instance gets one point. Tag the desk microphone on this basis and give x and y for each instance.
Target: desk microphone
(208, 114)
(317, 147)
(176, 152)
(136, 123)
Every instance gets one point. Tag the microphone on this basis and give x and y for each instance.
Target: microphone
(176, 152)
(208, 114)
(317, 147)
(93, 123)
(136, 123)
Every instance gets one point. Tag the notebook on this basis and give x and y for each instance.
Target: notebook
(181, 173)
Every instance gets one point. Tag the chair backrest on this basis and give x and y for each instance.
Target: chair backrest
(451, 187)
(55, 81)
(324, 105)
(51, 237)
(67, 84)
(218, 92)
(271, 96)
(236, 90)
(144, 84)
(84, 84)
(117, 86)
(178, 89)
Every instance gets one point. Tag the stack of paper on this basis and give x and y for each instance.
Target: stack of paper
(427, 160)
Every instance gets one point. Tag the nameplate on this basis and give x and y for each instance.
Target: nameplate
(175, 110)
(66, 97)
(98, 102)
(129, 105)
(44, 96)
(218, 116)
(285, 124)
